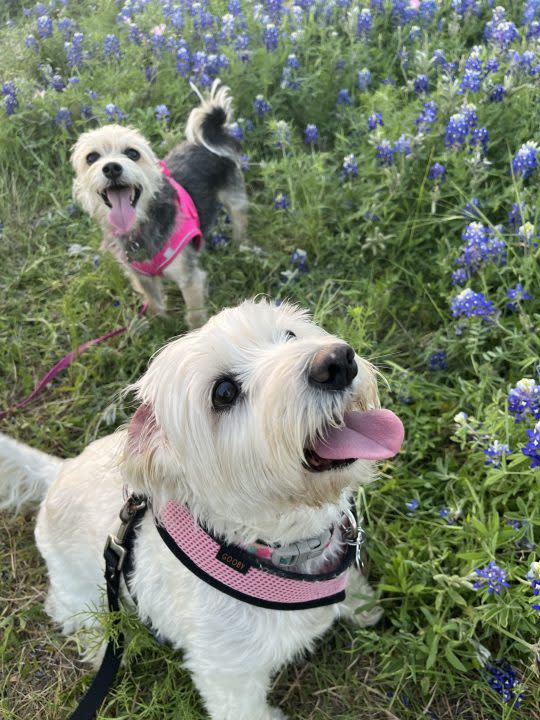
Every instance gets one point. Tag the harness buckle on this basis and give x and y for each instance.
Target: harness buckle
(353, 534)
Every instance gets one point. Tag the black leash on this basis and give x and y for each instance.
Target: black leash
(117, 556)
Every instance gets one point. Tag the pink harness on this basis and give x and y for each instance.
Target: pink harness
(186, 230)
(241, 573)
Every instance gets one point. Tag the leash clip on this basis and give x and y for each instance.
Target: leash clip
(353, 534)
(115, 543)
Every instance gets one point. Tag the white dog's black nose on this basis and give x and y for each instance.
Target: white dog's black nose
(112, 170)
(333, 368)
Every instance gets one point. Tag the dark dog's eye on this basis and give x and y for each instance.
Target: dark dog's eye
(290, 335)
(92, 157)
(132, 154)
(225, 393)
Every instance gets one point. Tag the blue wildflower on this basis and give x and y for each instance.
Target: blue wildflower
(113, 113)
(271, 37)
(412, 505)
(480, 138)
(460, 125)
(438, 361)
(492, 65)
(86, 112)
(183, 60)
(44, 27)
(281, 202)
(244, 163)
(471, 80)
(482, 245)
(532, 448)
(343, 97)
(525, 161)
(162, 113)
(261, 106)
(10, 104)
(516, 295)
(460, 277)
(471, 304)
(421, 84)
(63, 118)
(437, 172)
(282, 135)
(364, 79)
(385, 153)
(57, 83)
(236, 131)
(350, 166)
(74, 50)
(31, 43)
(293, 62)
(403, 145)
(426, 118)
(65, 26)
(111, 47)
(534, 576)
(364, 23)
(491, 578)
(299, 260)
(494, 452)
(524, 399)
(502, 678)
(311, 134)
(373, 120)
(470, 211)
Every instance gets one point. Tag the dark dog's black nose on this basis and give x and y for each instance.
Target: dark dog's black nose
(112, 170)
(333, 368)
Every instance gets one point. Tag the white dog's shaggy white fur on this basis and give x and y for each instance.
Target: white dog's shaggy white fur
(240, 470)
(118, 178)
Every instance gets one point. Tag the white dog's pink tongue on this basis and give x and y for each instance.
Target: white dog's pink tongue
(369, 435)
(122, 215)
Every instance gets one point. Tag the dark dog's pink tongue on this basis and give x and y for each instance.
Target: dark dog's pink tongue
(122, 215)
(369, 435)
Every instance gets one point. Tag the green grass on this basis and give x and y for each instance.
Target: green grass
(382, 283)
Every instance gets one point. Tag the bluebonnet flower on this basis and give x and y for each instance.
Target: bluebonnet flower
(421, 84)
(299, 260)
(218, 240)
(474, 61)
(235, 7)
(343, 97)
(288, 79)
(502, 678)
(526, 233)
(63, 118)
(281, 202)
(31, 43)
(480, 138)
(385, 153)
(183, 61)
(502, 33)
(460, 125)
(261, 106)
(373, 120)
(162, 113)
(403, 145)
(534, 576)
(65, 26)
(460, 277)
(210, 43)
(492, 578)
(113, 113)
(524, 400)
(74, 50)
(9, 91)
(481, 246)
(311, 134)
(437, 361)
(271, 37)
(44, 27)
(492, 65)
(525, 161)
(236, 131)
(532, 448)
(412, 504)
(426, 118)
(494, 452)
(437, 172)
(86, 112)
(470, 211)
(472, 304)
(176, 18)
(57, 83)
(364, 23)
(92, 94)
(74, 80)
(517, 294)
(516, 216)
(292, 61)
(439, 58)
(350, 166)
(111, 47)
(244, 163)
(364, 79)
(471, 80)
(497, 93)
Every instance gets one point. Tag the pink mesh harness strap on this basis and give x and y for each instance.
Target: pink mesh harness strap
(186, 230)
(241, 574)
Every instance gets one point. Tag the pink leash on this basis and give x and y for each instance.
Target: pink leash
(66, 362)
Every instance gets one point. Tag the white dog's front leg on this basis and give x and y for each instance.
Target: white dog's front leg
(235, 696)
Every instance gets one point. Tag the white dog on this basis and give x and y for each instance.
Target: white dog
(153, 215)
(258, 427)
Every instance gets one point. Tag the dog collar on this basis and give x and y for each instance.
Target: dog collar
(186, 229)
(242, 573)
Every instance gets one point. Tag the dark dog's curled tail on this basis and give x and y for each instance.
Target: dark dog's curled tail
(207, 124)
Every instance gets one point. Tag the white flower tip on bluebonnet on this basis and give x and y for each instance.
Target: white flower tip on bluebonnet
(534, 572)
(461, 418)
(526, 384)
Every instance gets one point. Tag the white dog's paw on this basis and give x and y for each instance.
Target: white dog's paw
(367, 618)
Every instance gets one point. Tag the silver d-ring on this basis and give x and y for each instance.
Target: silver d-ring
(350, 530)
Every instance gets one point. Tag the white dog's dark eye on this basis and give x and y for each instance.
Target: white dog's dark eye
(132, 154)
(92, 157)
(225, 393)
(290, 335)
